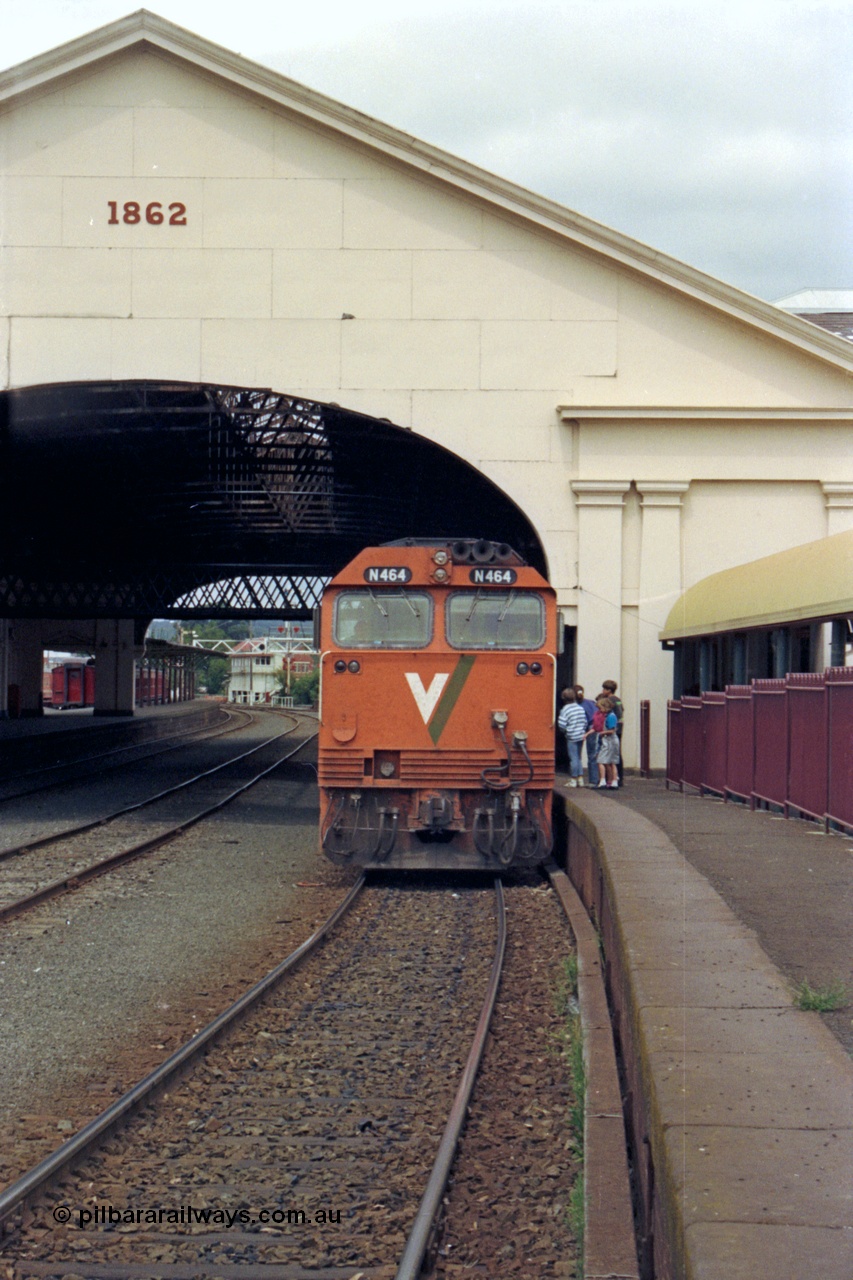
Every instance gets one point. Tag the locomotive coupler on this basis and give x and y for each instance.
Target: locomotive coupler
(436, 813)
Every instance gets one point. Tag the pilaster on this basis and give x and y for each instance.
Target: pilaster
(599, 639)
(839, 507)
(660, 586)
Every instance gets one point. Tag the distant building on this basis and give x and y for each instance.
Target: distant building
(830, 309)
(256, 666)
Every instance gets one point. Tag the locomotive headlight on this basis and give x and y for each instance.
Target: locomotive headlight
(536, 668)
(440, 557)
(386, 769)
(522, 668)
(440, 575)
(354, 667)
(340, 665)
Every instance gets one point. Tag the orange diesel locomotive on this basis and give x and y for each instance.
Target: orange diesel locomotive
(437, 708)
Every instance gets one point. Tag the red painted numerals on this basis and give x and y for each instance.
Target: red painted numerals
(131, 213)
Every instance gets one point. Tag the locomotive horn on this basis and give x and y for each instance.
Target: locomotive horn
(461, 552)
(482, 552)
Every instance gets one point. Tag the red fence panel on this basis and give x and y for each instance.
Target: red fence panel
(839, 689)
(674, 744)
(714, 745)
(786, 742)
(693, 742)
(645, 738)
(770, 709)
(807, 743)
(740, 741)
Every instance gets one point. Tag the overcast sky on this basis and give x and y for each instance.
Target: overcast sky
(718, 131)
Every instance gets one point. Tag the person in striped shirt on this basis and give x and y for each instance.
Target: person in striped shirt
(572, 722)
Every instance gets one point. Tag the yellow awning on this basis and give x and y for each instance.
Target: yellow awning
(806, 584)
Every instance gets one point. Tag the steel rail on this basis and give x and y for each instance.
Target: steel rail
(416, 1245)
(24, 1187)
(170, 745)
(42, 842)
(76, 878)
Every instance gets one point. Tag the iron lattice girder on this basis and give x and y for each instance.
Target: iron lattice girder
(165, 595)
(120, 499)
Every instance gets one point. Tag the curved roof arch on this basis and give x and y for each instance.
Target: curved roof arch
(143, 498)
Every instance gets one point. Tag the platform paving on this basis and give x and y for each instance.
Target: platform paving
(63, 736)
(747, 1102)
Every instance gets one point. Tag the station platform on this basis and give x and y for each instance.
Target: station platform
(63, 736)
(739, 1103)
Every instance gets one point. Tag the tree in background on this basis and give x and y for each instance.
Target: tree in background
(212, 672)
(305, 690)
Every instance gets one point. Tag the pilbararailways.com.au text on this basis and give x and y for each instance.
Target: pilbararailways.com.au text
(108, 1215)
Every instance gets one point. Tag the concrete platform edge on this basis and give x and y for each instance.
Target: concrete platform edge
(609, 1242)
(704, 1189)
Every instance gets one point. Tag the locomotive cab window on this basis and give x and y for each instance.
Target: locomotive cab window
(371, 619)
(495, 620)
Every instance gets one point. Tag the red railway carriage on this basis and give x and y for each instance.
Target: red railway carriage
(437, 706)
(72, 684)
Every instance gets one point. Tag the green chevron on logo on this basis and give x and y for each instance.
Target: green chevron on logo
(450, 696)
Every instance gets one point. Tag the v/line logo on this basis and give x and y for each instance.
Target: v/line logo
(427, 699)
(436, 702)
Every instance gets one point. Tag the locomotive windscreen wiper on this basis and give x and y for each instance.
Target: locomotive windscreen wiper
(477, 597)
(378, 604)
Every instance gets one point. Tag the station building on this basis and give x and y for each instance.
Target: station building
(174, 212)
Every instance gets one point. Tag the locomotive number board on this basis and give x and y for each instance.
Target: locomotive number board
(388, 573)
(493, 577)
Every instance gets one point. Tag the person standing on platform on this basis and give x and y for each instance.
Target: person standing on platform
(572, 723)
(608, 750)
(591, 737)
(609, 687)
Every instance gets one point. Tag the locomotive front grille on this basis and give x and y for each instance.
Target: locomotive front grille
(342, 768)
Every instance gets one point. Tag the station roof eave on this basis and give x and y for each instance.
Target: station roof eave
(810, 583)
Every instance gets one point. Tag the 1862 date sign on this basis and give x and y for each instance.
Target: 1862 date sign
(132, 212)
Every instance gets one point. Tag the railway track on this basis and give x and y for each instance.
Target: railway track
(301, 1136)
(31, 782)
(41, 869)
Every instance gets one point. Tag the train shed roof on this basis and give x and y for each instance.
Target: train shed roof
(810, 583)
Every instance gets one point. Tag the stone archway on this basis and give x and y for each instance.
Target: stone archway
(121, 499)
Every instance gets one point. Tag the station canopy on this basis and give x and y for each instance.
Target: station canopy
(150, 499)
(810, 583)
